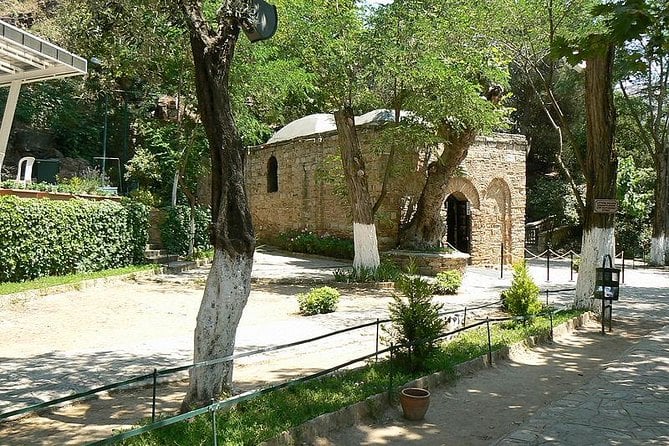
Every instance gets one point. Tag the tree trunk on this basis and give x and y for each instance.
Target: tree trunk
(426, 228)
(600, 171)
(364, 230)
(228, 284)
(659, 241)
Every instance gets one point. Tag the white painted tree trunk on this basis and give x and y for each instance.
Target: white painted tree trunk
(225, 296)
(366, 246)
(597, 242)
(658, 249)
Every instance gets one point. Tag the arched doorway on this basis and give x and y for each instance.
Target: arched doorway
(459, 223)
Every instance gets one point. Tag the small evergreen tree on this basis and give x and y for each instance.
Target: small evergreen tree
(522, 299)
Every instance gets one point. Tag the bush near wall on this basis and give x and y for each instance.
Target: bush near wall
(41, 237)
(175, 229)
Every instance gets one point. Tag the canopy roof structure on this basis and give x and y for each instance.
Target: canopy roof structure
(25, 58)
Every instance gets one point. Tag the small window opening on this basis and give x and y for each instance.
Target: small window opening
(272, 174)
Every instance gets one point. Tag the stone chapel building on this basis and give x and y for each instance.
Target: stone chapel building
(483, 210)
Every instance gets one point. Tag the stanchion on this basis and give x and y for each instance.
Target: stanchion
(487, 323)
(501, 262)
(376, 356)
(571, 266)
(622, 273)
(548, 264)
(213, 424)
(153, 404)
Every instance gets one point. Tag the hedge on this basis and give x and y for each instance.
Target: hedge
(41, 237)
(175, 229)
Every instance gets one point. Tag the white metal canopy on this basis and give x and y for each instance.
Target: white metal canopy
(25, 58)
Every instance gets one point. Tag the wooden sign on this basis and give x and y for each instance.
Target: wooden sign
(606, 206)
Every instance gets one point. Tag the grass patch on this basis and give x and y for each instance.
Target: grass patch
(265, 417)
(46, 282)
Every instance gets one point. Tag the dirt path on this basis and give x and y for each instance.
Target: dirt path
(479, 408)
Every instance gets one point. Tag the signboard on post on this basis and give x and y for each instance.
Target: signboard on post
(606, 205)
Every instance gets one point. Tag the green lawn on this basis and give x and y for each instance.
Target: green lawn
(70, 279)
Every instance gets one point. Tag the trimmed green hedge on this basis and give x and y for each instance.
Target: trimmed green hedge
(41, 237)
(175, 229)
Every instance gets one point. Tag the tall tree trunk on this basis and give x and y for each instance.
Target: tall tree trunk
(228, 284)
(600, 171)
(426, 228)
(659, 241)
(364, 229)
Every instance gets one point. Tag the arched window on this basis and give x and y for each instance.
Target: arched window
(272, 174)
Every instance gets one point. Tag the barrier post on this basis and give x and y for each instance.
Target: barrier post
(550, 316)
(153, 404)
(548, 263)
(487, 323)
(622, 272)
(571, 266)
(464, 318)
(501, 262)
(213, 424)
(376, 356)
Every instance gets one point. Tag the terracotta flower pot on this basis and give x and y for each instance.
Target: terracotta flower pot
(415, 402)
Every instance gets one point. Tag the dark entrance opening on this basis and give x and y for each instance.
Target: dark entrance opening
(459, 224)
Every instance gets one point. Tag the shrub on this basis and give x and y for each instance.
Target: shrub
(311, 243)
(415, 321)
(387, 271)
(175, 229)
(40, 237)
(318, 301)
(448, 282)
(576, 264)
(522, 299)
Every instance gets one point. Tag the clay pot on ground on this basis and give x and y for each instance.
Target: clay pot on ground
(415, 402)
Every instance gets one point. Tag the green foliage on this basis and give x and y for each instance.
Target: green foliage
(635, 198)
(551, 198)
(71, 279)
(415, 321)
(175, 229)
(311, 243)
(522, 299)
(318, 301)
(40, 237)
(448, 282)
(387, 271)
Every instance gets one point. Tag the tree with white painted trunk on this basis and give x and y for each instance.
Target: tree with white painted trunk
(228, 284)
(645, 89)
(600, 170)
(362, 210)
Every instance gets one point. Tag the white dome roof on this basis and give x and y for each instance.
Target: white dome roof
(324, 122)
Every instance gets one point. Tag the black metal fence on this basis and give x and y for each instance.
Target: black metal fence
(219, 405)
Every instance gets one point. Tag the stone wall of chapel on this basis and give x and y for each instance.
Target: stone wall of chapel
(494, 181)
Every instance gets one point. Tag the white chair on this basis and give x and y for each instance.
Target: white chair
(27, 163)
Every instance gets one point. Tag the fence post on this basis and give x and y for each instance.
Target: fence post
(464, 318)
(153, 404)
(487, 323)
(376, 356)
(548, 263)
(571, 266)
(623, 270)
(550, 315)
(390, 372)
(501, 262)
(213, 423)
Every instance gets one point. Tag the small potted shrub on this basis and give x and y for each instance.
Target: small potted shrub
(318, 301)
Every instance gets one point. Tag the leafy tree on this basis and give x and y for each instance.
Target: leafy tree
(644, 61)
(635, 198)
(446, 82)
(213, 38)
